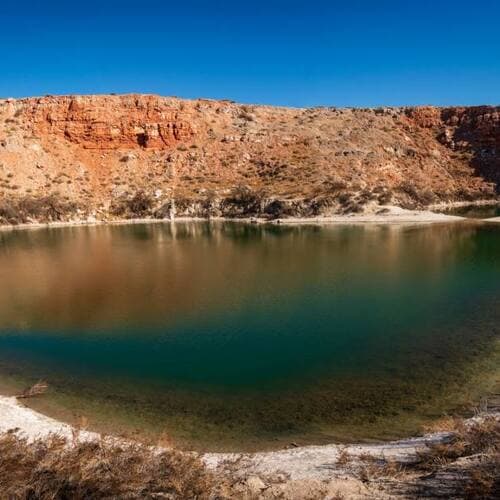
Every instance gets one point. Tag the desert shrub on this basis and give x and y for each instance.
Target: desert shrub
(344, 457)
(353, 207)
(344, 198)
(367, 195)
(484, 479)
(278, 208)
(242, 202)
(46, 208)
(409, 188)
(426, 197)
(480, 443)
(420, 197)
(335, 185)
(140, 205)
(472, 194)
(319, 205)
(127, 157)
(9, 213)
(57, 469)
(374, 468)
(244, 115)
(210, 203)
(41, 209)
(164, 211)
(184, 206)
(384, 198)
(205, 205)
(466, 440)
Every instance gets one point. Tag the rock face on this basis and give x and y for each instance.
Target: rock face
(206, 157)
(476, 130)
(145, 121)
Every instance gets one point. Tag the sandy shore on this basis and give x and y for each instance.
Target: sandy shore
(308, 462)
(354, 472)
(31, 424)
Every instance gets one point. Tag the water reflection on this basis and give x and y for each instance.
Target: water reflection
(123, 276)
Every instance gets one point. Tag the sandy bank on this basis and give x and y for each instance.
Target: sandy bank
(357, 472)
(308, 462)
(33, 425)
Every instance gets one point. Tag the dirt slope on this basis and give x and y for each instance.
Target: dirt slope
(144, 155)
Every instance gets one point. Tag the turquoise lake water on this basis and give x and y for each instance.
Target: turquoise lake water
(230, 336)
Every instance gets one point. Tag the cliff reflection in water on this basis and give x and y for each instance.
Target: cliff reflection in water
(121, 276)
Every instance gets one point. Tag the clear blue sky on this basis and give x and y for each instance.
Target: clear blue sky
(335, 53)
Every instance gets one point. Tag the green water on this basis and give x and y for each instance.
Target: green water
(234, 336)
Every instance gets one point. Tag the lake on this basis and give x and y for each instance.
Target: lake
(232, 336)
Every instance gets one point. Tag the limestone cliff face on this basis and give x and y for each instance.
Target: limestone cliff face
(99, 123)
(99, 151)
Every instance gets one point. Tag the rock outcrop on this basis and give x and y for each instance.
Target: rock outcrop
(143, 121)
(202, 157)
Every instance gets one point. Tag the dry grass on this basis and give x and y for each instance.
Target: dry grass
(474, 449)
(481, 436)
(374, 468)
(344, 457)
(466, 466)
(444, 424)
(484, 479)
(56, 469)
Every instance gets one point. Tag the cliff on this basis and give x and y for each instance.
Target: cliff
(143, 155)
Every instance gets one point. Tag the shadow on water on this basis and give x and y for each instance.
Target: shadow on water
(231, 335)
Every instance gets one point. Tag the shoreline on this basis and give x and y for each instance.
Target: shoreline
(406, 468)
(460, 204)
(395, 215)
(317, 462)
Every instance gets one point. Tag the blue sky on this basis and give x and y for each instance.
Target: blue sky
(336, 53)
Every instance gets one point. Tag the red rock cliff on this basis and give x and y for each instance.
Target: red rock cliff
(94, 150)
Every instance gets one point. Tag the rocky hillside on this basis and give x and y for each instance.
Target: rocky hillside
(102, 157)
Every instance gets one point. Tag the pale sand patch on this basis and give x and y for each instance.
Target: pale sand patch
(33, 425)
(322, 462)
(394, 215)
